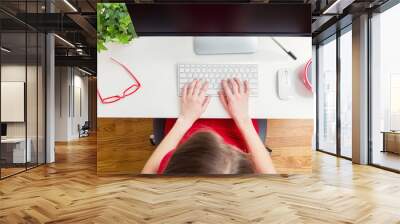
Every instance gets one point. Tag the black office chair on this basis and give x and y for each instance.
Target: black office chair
(159, 124)
(84, 130)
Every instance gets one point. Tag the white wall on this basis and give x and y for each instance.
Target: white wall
(70, 83)
(12, 73)
(79, 117)
(61, 103)
(33, 127)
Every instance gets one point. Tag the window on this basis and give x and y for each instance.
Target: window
(385, 89)
(327, 96)
(346, 75)
(22, 76)
(333, 137)
(395, 102)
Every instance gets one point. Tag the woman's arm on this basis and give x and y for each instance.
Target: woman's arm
(235, 97)
(258, 153)
(193, 103)
(169, 142)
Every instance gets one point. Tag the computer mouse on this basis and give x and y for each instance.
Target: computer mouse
(285, 91)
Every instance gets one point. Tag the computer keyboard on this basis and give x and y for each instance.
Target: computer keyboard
(215, 73)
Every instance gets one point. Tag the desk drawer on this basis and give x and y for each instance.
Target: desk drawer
(392, 142)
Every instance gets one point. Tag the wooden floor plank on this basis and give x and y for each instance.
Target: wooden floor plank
(69, 191)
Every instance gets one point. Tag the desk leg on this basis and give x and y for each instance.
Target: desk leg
(384, 143)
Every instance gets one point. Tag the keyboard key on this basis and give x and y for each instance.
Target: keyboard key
(215, 73)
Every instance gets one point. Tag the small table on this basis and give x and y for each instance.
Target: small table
(391, 141)
(18, 151)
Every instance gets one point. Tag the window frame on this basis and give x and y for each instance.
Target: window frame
(381, 9)
(31, 30)
(334, 37)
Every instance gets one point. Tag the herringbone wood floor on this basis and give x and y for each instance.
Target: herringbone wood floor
(69, 191)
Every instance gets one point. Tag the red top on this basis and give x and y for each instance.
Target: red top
(226, 128)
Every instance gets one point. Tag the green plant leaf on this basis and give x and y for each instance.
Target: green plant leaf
(113, 25)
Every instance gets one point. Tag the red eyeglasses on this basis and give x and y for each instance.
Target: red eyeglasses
(127, 92)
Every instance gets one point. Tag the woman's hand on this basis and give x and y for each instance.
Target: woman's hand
(235, 99)
(194, 101)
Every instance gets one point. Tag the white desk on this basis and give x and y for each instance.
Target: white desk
(19, 155)
(154, 59)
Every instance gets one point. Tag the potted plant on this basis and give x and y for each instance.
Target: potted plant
(113, 25)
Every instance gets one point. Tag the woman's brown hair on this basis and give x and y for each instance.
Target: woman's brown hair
(205, 153)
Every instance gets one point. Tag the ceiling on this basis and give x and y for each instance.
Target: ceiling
(75, 24)
(39, 6)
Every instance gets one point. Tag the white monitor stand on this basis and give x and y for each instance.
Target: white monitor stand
(225, 45)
